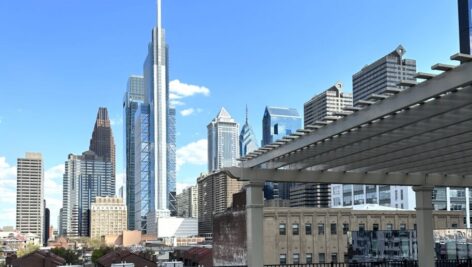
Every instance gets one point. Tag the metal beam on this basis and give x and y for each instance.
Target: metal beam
(381, 147)
(442, 83)
(377, 178)
(394, 123)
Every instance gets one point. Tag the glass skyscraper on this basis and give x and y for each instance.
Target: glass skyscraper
(223, 143)
(86, 177)
(134, 96)
(171, 164)
(154, 139)
(247, 138)
(277, 123)
(465, 25)
(143, 184)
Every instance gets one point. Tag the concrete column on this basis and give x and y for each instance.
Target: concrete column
(467, 208)
(255, 224)
(424, 224)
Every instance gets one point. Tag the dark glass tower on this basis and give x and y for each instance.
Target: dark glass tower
(465, 25)
(103, 143)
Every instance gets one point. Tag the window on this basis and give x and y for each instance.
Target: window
(308, 229)
(296, 258)
(321, 258)
(375, 227)
(320, 229)
(361, 227)
(295, 229)
(414, 226)
(402, 227)
(309, 258)
(333, 229)
(282, 229)
(389, 227)
(334, 257)
(454, 225)
(283, 259)
(345, 228)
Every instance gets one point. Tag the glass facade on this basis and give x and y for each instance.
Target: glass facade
(143, 187)
(134, 95)
(453, 198)
(277, 123)
(171, 164)
(86, 177)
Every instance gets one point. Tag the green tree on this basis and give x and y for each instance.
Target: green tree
(99, 252)
(29, 248)
(70, 256)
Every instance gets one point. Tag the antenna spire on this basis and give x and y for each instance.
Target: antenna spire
(246, 114)
(159, 14)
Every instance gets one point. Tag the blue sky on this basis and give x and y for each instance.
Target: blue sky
(61, 60)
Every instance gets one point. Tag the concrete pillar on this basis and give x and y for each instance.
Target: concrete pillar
(424, 224)
(467, 208)
(255, 224)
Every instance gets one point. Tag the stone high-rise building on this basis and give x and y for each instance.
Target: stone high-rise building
(102, 141)
(187, 202)
(383, 74)
(326, 104)
(215, 195)
(316, 109)
(30, 195)
(108, 217)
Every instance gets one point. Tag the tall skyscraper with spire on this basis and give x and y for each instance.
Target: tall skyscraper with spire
(103, 143)
(247, 138)
(156, 81)
(150, 139)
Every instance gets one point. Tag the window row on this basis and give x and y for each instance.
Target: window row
(333, 228)
(308, 258)
(308, 229)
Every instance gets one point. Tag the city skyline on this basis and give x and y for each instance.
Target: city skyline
(298, 77)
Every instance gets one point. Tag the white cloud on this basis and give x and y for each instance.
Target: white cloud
(194, 153)
(187, 112)
(179, 90)
(177, 103)
(7, 192)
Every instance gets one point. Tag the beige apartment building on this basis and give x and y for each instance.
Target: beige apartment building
(108, 217)
(30, 195)
(215, 195)
(311, 235)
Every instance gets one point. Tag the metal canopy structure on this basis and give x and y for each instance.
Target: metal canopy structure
(419, 136)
